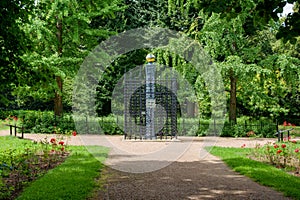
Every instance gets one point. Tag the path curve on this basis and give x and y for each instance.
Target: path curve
(190, 177)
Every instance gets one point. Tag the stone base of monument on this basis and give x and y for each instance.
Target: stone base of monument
(155, 139)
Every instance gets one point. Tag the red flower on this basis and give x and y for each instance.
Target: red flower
(276, 146)
(283, 145)
(61, 143)
(279, 151)
(243, 145)
(62, 149)
(52, 140)
(293, 124)
(294, 141)
(74, 133)
(296, 150)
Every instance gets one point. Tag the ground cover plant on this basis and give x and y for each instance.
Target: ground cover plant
(264, 173)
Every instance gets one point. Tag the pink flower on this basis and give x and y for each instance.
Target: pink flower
(296, 150)
(243, 145)
(285, 123)
(294, 141)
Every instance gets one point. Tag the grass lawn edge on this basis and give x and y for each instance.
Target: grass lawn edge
(73, 179)
(262, 173)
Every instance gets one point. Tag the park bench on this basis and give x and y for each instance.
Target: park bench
(280, 133)
(15, 132)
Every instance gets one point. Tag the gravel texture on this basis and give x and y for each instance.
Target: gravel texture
(193, 173)
(190, 177)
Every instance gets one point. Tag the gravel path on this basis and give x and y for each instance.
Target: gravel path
(195, 175)
(192, 173)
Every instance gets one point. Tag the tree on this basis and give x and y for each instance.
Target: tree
(226, 41)
(145, 13)
(12, 43)
(62, 34)
(290, 28)
(228, 33)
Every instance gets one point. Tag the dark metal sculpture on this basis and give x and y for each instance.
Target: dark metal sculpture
(152, 104)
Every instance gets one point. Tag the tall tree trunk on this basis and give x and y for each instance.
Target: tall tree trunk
(58, 106)
(232, 106)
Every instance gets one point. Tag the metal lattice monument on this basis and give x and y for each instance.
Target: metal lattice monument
(152, 103)
(150, 96)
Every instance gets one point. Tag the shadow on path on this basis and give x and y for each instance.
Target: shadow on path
(205, 179)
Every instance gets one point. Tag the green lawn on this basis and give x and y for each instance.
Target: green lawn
(73, 179)
(236, 158)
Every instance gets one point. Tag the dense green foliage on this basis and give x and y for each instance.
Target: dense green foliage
(243, 45)
(62, 33)
(47, 122)
(256, 51)
(13, 43)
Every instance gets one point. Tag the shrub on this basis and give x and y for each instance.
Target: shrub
(45, 122)
(109, 125)
(244, 128)
(228, 130)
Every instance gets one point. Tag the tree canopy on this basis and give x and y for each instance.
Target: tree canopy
(43, 44)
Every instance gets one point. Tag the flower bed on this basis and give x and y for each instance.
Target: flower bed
(285, 155)
(22, 161)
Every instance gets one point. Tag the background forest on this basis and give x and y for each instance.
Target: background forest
(255, 46)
